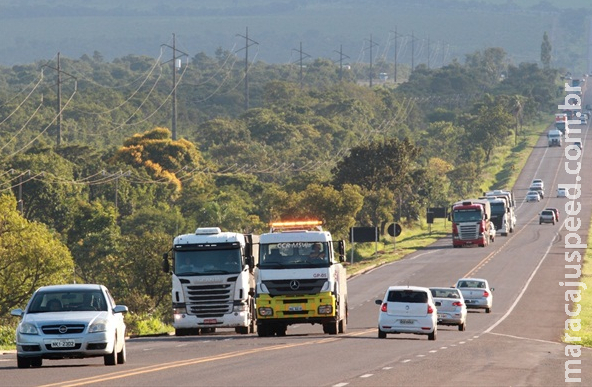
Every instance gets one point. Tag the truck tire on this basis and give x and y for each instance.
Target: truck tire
(264, 331)
(331, 328)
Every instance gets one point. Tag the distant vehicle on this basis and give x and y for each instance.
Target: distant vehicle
(70, 321)
(407, 309)
(538, 182)
(554, 137)
(538, 189)
(476, 292)
(561, 192)
(533, 196)
(555, 211)
(491, 232)
(547, 216)
(578, 144)
(451, 306)
(583, 119)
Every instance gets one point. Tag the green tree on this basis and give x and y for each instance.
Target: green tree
(546, 50)
(30, 256)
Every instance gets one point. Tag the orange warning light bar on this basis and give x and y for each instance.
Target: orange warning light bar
(296, 224)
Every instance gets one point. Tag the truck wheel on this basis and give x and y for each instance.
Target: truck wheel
(263, 331)
(280, 330)
(331, 328)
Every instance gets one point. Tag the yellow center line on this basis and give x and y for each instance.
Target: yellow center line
(183, 363)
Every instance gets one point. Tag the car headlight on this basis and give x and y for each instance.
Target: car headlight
(99, 325)
(28, 329)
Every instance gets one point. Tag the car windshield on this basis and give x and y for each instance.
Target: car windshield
(66, 301)
(293, 255)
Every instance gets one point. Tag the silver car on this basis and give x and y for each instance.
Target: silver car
(70, 321)
(476, 292)
(533, 196)
(451, 306)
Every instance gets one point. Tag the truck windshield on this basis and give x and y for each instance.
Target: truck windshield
(468, 215)
(206, 262)
(498, 208)
(293, 255)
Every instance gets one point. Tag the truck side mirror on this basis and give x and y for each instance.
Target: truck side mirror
(165, 263)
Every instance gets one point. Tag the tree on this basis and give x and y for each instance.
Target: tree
(377, 165)
(30, 256)
(546, 50)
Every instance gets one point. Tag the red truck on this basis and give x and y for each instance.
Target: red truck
(470, 222)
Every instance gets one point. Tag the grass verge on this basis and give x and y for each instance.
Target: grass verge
(584, 331)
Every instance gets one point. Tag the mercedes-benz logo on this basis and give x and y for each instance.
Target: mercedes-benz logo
(63, 329)
(294, 285)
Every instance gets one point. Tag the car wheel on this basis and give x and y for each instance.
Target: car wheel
(462, 327)
(111, 359)
(432, 336)
(36, 362)
(487, 310)
(23, 362)
(381, 334)
(122, 355)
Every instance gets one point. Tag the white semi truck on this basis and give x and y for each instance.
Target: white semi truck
(300, 279)
(213, 281)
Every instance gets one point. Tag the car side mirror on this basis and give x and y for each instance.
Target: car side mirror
(378, 302)
(492, 289)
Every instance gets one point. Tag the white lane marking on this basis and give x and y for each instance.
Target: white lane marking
(536, 269)
(366, 375)
(406, 361)
(526, 338)
(340, 384)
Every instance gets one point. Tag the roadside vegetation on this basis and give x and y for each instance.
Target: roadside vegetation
(585, 315)
(101, 202)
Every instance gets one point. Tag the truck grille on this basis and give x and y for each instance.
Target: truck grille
(211, 300)
(294, 287)
(468, 231)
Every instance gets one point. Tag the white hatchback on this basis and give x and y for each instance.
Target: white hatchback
(407, 309)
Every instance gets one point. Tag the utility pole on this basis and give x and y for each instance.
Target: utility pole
(248, 42)
(59, 98)
(428, 52)
(341, 56)
(372, 44)
(412, 52)
(303, 56)
(174, 94)
(396, 52)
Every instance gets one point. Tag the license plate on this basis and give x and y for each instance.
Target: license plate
(469, 301)
(406, 322)
(441, 316)
(295, 308)
(63, 343)
(210, 321)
